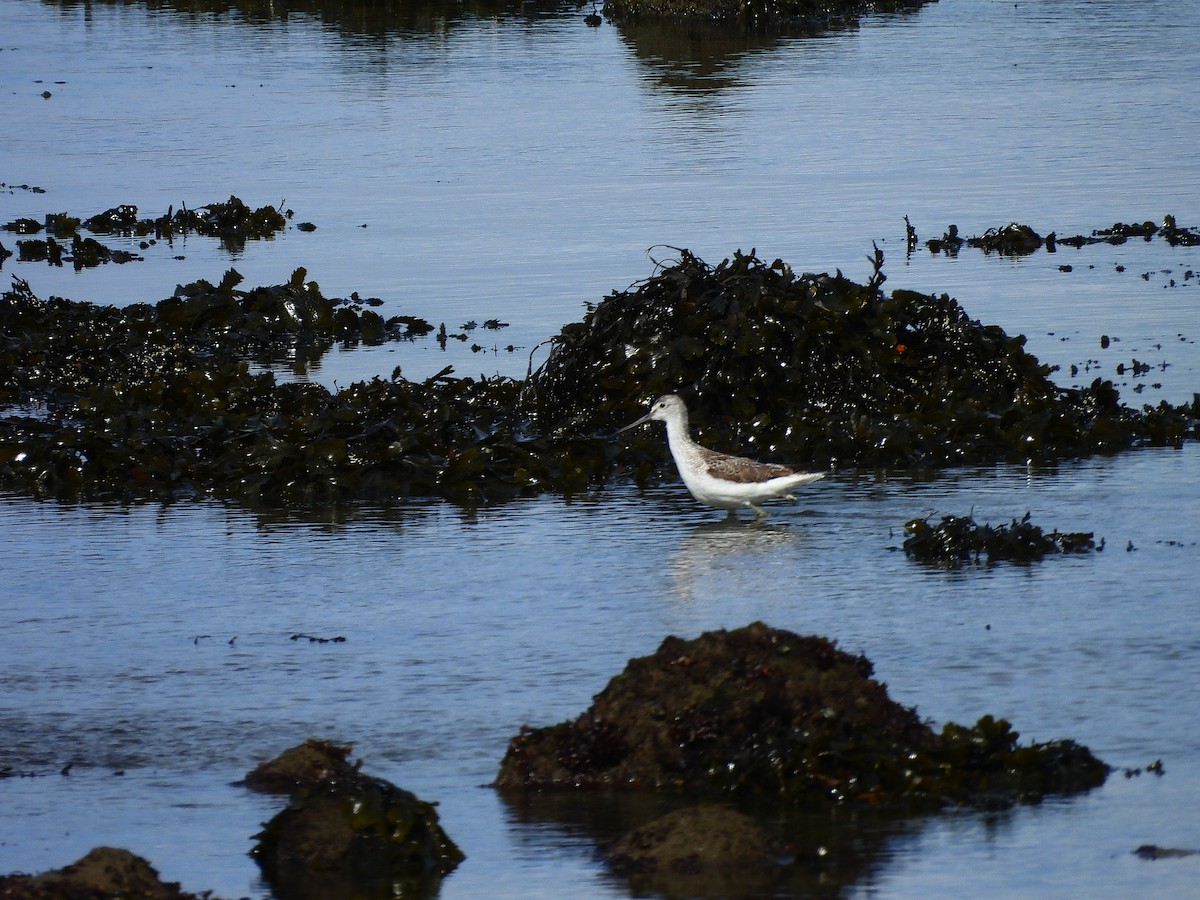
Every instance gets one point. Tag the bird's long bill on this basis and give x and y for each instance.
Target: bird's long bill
(642, 421)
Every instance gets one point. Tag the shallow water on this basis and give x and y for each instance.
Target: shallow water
(165, 652)
(520, 169)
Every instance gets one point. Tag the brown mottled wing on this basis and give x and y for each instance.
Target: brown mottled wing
(744, 471)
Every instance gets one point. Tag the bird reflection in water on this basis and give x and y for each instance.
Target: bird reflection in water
(728, 550)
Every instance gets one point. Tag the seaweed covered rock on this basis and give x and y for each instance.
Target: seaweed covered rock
(309, 765)
(960, 539)
(347, 834)
(818, 367)
(101, 873)
(772, 713)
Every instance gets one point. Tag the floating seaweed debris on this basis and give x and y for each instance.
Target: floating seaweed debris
(1011, 240)
(1153, 852)
(317, 639)
(232, 222)
(957, 540)
(23, 226)
(116, 219)
(949, 243)
(769, 713)
(82, 253)
(792, 16)
(13, 188)
(1016, 239)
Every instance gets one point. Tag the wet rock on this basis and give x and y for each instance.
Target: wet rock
(348, 834)
(956, 540)
(102, 873)
(309, 765)
(770, 713)
(702, 850)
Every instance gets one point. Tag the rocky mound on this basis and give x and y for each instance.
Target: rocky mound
(346, 834)
(313, 764)
(100, 874)
(771, 713)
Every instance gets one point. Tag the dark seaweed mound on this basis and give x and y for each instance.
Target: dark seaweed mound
(771, 713)
(818, 367)
(159, 401)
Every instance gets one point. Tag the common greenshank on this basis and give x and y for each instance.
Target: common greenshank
(718, 479)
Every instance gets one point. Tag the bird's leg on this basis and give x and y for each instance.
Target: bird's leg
(759, 512)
